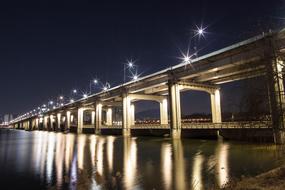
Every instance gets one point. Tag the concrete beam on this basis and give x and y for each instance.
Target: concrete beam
(197, 86)
(134, 97)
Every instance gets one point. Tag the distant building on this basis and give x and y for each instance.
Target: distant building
(7, 118)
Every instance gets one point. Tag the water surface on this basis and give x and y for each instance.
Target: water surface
(49, 160)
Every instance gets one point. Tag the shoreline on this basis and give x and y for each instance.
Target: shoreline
(272, 179)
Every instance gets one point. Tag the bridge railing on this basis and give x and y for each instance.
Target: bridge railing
(150, 126)
(228, 125)
(223, 125)
(111, 127)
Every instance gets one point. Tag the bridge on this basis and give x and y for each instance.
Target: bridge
(261, 55)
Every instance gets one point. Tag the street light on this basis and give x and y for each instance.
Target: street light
(197, 32)
(200, 31)
(187, 59)
(106, 86)
(135, 77)
(130, 65)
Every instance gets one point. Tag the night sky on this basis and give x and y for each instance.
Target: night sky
(48, 48)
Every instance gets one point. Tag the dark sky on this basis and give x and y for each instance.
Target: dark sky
(49, 47)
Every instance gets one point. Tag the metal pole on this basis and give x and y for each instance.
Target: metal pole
(90, 87)
(124, 73)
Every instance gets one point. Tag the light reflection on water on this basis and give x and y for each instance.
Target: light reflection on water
(61, 161)
(166, 165)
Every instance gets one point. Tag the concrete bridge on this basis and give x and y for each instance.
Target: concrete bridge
(262, 55)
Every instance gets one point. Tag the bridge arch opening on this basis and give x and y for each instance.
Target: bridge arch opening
(195, 106)
(146, 112)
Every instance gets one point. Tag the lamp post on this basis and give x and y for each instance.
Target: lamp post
(198, 32)
(60, 101)
(91, 83)
(130, 66)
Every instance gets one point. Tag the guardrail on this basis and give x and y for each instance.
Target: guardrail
(111, 127)
(224, 125)
(228, 125)
(150, 126)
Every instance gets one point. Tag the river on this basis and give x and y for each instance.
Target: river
(49, 160)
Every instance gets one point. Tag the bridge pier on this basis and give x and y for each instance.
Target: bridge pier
(126, 115)
(216, 107)
(93, 118)
(109, 116)
(80, 120)
(175, 110)
(37, 123)
(163, 112)
(68, 120)
(98, 117)
(132, 114)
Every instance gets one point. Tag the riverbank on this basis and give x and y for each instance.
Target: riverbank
(271, 180)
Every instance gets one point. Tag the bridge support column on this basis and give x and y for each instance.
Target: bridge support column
(163, 112)
(175, 110)
(277, 99)
(109, 116)
(126, 115)
(93, 118)
(98, 118)
(68, 119)
(216, 107)
(58, 117)
(80, 120)
(37, 123)
(132, 114)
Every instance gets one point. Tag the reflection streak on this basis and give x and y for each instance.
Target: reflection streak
(223, 168)
(197, 181)
(166, 165)
(110, 149)
(130, 161)
(59, 158)
(179, 164)
(69, 144)
(99, 155)
(80, 151)
(50, 156)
